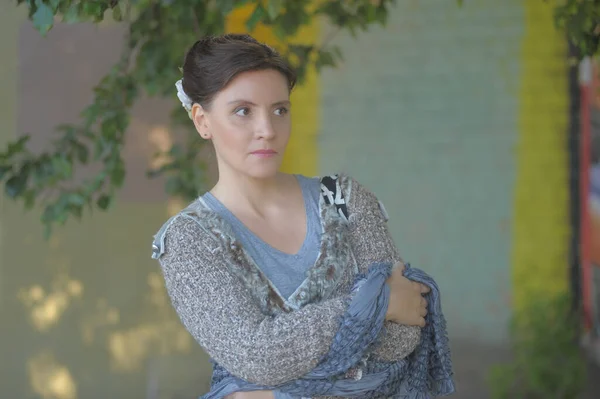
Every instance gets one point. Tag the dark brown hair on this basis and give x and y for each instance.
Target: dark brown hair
(214, 61)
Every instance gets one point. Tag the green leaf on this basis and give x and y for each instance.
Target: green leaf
(280, 32)
(71, 15)
(48, 214)
(117, 14)
(4, 169)
(225, 6)
(290, 21)
(257, 16)
(43, 17)
(93, 185)
(29, 199)
(82, 153)
(43, 169)
(325, 58)
(117, 177)
(103, 202)
(173, 185)
(54, 4)
(16, 146)
(77, 199)
(76, 211)
(16, 185)
(47, 230)
(274, 8)
(337, 51)
(381, 15)
(62, 166)
(62, 216)
(94, 9)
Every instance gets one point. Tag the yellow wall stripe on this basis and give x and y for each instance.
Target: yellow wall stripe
(541, 216)
(301, 155)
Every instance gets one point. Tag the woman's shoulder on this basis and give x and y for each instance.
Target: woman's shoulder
(332, 181)
(350, 188)
(192, 226)
(356, 196)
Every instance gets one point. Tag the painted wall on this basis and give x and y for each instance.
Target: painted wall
(456, 118)
(431, 125)
(541, 227)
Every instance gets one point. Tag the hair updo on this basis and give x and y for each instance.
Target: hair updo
(214, 61)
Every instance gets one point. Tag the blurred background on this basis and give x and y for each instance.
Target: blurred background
(474, 125)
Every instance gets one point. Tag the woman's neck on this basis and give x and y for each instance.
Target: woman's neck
(252, 194)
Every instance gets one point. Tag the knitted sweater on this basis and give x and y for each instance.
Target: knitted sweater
(236, 315)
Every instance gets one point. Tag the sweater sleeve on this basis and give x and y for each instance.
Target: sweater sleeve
(224, 318)
(373, 243)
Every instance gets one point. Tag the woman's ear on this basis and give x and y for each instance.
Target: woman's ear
(200, 119)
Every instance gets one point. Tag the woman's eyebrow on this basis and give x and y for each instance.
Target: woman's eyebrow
(242, 101)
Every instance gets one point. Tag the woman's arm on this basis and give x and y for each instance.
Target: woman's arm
(372, 242)
(222, 315)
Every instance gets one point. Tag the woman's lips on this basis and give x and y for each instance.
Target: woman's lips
(264, 153)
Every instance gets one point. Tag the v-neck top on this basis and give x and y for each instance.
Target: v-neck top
(285, 271)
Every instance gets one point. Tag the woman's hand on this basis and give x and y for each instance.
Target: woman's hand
(407, 305)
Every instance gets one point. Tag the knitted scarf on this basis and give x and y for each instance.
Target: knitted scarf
(424, 374)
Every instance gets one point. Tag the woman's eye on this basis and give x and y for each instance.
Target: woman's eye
(242, 111)
(281, 111)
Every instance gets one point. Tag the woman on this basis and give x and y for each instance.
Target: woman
(287, 281)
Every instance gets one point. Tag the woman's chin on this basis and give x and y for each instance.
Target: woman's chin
(263, 172)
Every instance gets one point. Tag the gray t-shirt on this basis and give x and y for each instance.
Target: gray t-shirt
(285, 271)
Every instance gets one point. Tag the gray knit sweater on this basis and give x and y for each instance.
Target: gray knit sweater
(236, 315)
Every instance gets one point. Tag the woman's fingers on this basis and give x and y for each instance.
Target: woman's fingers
(421, 288)
(423, 307)
(400, 266)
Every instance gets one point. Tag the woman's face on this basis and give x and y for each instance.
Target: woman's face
(249, 123)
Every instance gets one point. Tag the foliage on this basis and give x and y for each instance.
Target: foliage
(580, 19)
(159, 33)
(548, 362)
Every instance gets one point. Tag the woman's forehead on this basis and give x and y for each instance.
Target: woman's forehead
(264, 86)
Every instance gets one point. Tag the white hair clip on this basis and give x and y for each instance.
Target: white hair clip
(186, 102)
